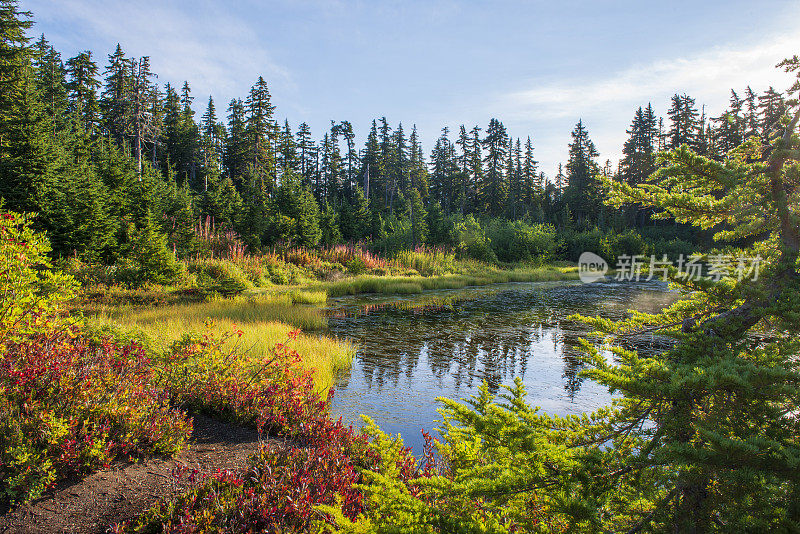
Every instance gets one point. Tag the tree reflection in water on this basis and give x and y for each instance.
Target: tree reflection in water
(445, 343)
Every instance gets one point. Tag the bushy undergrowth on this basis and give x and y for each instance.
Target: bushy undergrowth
(282, 486)
(479, 478)
(219, 276)
(208, 374)
(69, 406)
(278, 492)
(517, 241)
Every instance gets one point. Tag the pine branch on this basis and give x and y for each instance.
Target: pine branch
(657, 508)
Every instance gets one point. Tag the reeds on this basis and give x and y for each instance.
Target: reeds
(265, 322)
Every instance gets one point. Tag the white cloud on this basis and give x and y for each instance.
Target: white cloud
(217, 53)
(607, 104)
(710, 74)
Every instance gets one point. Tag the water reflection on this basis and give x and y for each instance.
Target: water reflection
(445, 343)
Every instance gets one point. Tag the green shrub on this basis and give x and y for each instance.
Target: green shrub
(356, 266)
(220, 276)
(427, 262)
(472, 241)
(518, 241)
(147, 258)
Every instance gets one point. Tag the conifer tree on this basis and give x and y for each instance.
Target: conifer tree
(494, 188)
(236, 143)
(532, 184)
(82, 87)
(212, 143)
(582, 191)
(371, 167)
(771, 109)
(722, 435)
(287, 151)
(262, 132)
(305, 146)
(51, 80)
(114, 98)
(418, 170)
(684, 125)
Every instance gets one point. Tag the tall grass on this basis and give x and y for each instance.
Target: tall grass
(308, 297)
(427, 262)
(265, 321)
(416, 284)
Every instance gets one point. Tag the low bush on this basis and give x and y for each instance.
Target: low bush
(208, 374)
(283, 485)
(147, 259)
(356, 266)
(68, 406)
(517, 241)
(219, 276)
(473, 242)
(277, 493)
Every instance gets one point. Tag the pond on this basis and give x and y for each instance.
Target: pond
(413, 349)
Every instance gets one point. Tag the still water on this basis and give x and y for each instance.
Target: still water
(446, 343)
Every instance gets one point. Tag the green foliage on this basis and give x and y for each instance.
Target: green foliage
(501, 467)
(518, 241)
(219, 276)
(607, 244)
(356, 266)
(427, 262)
(472, 241)
(712, 417)
(148, 259)
(30, 291)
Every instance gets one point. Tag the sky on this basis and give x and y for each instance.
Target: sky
(538, 66)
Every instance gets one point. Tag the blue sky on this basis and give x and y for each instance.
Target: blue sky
(537, 66)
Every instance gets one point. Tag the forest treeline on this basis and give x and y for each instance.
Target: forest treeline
(103, 152)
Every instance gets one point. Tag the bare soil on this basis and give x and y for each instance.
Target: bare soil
(122, 492)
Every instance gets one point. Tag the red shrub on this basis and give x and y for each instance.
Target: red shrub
(68, 405)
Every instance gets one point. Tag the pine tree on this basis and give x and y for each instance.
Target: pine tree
(582, 192)
(418, 170)
(718, 435)
(236, 143)
(212, 143)
(444, 170)
(82, 87)
(371, 167)
(114, 101)
(771, 109)
(639, 154)
(476, 175)
(731, 126)
(494, 189)
(29, 158)
(262, 132)
(685, 126)
(307, 153)
(532, 185)
(141, 119)
(345, 129)
(287, 151)
(52, 81)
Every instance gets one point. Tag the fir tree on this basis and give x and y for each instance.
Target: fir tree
(582, 191)
(82, 87)
(494, 189)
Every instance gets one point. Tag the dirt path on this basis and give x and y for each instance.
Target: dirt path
(90, 505)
